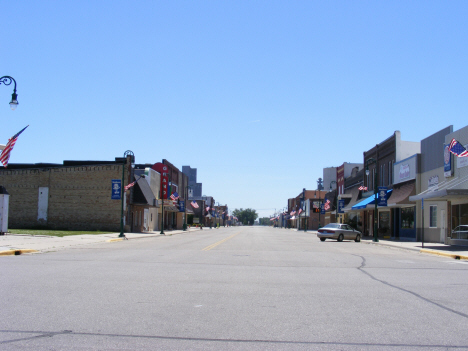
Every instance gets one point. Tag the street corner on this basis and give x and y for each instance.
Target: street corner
(16, 252)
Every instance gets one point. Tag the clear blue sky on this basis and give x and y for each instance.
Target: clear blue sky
(259, 96)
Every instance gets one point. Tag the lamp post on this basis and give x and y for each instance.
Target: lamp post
(6, 80)
(126, 153)
(320, 206)
(368, 162)
(186, 202)
(303, 210)
(336, 199)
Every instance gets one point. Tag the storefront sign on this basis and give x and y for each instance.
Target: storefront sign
(163, 170)
(447, 162)
(462, 161)
(116, 189)
(433, 183)
(382, 196)
(404, 171)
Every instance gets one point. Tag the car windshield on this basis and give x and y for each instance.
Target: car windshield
(461, 228)
(332, 225)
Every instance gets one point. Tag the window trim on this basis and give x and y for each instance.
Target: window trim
(431, 219)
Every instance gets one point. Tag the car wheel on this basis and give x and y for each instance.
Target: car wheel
(322, 239)
(358, 238)
(340, 237)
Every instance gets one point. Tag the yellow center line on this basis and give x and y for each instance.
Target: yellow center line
(212, 246)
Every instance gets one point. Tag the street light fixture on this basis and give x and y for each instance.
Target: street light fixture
(14, 97)
(126, 153)
(368, 162)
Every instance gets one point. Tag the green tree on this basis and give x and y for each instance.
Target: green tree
(247, 216)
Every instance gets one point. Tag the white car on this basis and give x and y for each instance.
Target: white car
(339, 232)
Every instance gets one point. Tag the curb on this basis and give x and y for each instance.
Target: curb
(16, 252)
(439, 253)
(426, 251)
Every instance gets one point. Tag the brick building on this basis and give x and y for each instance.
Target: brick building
(75, 195)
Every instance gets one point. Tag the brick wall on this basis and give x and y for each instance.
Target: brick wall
(79, 197)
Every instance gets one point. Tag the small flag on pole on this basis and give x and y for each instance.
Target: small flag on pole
(129, 185)
(174, 196)
(362, 187)
(194, 204)
(457, 149)
(5, 155)
(327, 205)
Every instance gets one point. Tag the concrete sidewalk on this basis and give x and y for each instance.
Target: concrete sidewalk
(17, 244)
(455, 252)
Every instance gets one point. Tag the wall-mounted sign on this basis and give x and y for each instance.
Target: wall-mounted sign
(447, 162)
(116, 189)
(433, 183)
(162, 169)
(404, 171)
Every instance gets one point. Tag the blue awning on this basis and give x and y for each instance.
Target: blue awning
(369, 201)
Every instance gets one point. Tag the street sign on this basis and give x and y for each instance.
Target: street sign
(116, 189)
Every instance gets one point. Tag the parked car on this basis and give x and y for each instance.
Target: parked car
(338, 232)
(460, 232)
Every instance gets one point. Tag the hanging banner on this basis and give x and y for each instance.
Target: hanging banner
(341, 206)
(116, 189)
(382, 196)
(181, 205)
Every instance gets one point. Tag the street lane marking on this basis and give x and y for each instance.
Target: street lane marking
(212, 246)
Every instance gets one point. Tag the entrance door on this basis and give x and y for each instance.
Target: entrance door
(443, 221)
(371, 225)
(145, 221)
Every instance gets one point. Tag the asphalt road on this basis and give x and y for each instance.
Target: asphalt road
(241, 288)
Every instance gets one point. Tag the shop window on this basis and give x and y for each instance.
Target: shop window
(432, 216)
(407, 218)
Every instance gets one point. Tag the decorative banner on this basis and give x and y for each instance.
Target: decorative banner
(341, 206)
(382, 196)
(322, 208)
(181, 205)
(116, 189)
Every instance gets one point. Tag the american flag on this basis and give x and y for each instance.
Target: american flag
(5, 155)
(208, 209)
(362, 187)
(174, 196)
(327, 205)
(293, 213)
(194, 204)
(455, 148)
(300, 210)
(129, 185)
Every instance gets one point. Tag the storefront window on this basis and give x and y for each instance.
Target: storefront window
(407, 218)
(459, 215)
(433, 216)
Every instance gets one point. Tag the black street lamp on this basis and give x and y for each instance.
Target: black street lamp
(303, 210)
(126, 153)
(336, 199)
(320, 206)
(14, 97)
(368, 162)
(186, 203)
